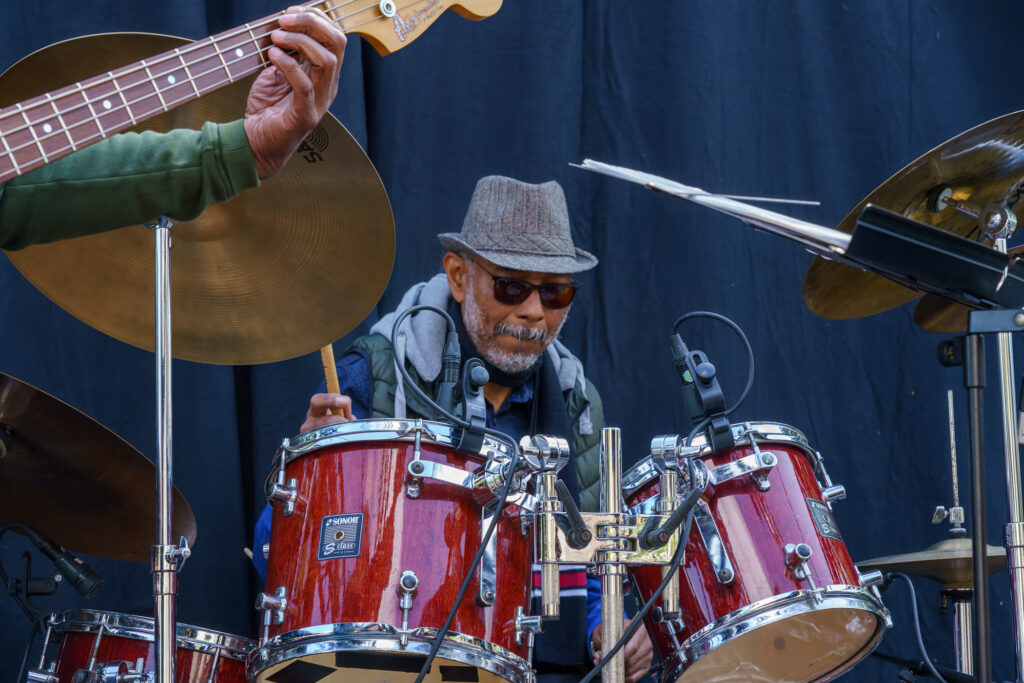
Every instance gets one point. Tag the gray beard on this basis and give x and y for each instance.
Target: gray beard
(472, 318)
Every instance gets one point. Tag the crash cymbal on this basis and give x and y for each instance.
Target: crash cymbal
(68, 476)
(937, 314)
(983, 166)
(949, 561)
(278, 271)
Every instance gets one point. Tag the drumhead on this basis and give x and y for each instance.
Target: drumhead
(362, 431)
(141, 628)
(810, 646)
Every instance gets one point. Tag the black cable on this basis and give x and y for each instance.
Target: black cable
(407, 380)
(34, 614)
(638, 620)
(917, 624)
(436, 645)
(28, 648)
(750, 363)
(399, 319)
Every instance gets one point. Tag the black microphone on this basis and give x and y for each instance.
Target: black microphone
(75, 572)
(451, 357)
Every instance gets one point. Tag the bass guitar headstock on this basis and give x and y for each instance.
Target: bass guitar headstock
(390, 25)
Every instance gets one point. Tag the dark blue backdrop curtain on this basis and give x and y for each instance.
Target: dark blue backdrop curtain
(807, 99)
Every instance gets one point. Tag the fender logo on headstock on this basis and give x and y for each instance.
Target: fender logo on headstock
(407, 24)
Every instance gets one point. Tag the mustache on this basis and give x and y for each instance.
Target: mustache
(522, 333)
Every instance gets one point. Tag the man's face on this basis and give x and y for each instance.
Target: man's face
(510, 336)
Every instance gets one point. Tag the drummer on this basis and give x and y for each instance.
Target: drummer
(508, 286)
(131, 178)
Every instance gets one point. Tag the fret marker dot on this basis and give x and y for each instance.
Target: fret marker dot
(239, 53)
(170, 79)
(106, 104)
(47, 128)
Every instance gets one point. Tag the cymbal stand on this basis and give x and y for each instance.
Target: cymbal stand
(167, 559)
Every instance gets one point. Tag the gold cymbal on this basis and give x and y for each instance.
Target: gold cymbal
(949, 561)
(937, 314)
(984, 165)
(276, 272)
(68, 476)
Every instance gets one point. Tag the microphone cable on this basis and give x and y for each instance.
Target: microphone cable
(501, 436)
(750, 363)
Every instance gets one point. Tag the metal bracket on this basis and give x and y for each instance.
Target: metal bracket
(712, 538)
(754, 464)
(489, 560)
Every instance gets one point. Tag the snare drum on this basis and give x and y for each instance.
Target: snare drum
(113, 646)
(767, 591)
(365, 560)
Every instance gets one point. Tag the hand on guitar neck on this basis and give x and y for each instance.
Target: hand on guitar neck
(290, 97)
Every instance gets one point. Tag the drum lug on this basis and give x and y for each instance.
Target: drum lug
(832, 493)
(266, 551)
(717, 555)
(407, 586)
(527, 627)
(272, 606)
(489, 560)
(796, 559)
(37, 676)
(286, 494)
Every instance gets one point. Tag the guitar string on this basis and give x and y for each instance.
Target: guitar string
(87, 102)
(157, 90)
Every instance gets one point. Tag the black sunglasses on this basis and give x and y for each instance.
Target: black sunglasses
(513, 291)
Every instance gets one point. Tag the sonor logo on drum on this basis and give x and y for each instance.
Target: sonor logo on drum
(340, 536)
(823, 520)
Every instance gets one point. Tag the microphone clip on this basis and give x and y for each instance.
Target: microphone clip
(474, 377)
(704, 376)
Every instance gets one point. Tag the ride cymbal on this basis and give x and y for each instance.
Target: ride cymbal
(949, 561)
(68, 476)
(983, 166)
(276, 272)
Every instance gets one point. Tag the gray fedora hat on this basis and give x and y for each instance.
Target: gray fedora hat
(519, 226)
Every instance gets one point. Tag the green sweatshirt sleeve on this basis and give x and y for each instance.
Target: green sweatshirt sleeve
(125, 180)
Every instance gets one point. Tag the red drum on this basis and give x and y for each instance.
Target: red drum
(767, 589)
(365, 560)
(113, 646)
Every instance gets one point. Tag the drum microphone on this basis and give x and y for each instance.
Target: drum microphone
(450, 359)
(76, 572)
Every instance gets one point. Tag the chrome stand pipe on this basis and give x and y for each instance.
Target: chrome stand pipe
(963, 625)
(547, 539)
(611, 569)
(1014, 530)
(165, 577)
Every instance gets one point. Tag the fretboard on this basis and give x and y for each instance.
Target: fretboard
(45, 128)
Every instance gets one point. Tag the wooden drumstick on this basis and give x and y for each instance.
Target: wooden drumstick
(330, 369)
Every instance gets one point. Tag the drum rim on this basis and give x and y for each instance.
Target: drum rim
(349, 636)
(784, 605)
(381, 429)
(135, 627)
(640, 474)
